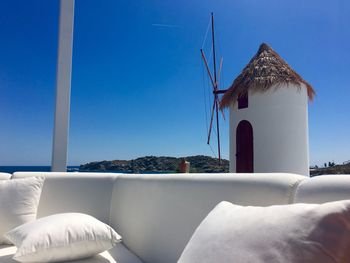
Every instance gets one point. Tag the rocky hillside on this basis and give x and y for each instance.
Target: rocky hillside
(149, 164)
(337, 169)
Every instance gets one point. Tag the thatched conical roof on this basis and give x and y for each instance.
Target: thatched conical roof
(265, 70)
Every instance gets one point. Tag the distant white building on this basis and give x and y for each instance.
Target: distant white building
(268, 105)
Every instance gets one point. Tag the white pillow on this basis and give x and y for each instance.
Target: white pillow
(62, 237)
(294, 233)
(19, 199)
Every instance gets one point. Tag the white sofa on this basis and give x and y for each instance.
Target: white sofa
(157, 214)
(4, 176)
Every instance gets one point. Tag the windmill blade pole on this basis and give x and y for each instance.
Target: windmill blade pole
(219, 72)
(211, 121)
(215, 87)
(219, 79)
(214, 54)
(217, 127)
(207, 67)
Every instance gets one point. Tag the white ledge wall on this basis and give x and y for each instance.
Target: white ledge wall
(280, 129)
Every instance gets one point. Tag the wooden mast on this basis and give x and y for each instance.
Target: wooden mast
(215, 87)
(214, 79)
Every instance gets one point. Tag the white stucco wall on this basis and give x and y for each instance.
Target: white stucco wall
(280, 128)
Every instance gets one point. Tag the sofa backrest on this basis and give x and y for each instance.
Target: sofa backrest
(157, 214)
(321, 189)
(88, 193)
(5, 176)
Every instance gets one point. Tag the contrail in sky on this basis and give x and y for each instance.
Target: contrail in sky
(165, 25)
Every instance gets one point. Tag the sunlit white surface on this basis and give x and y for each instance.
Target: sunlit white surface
(279, 118)
(63, 86)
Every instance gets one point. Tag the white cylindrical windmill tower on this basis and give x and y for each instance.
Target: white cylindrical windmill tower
(268, 105)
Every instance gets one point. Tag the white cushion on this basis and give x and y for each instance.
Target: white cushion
(18, 202)
(62, 237)
(325, 188)
(117, 254)
(5, 176)
(295, 233)
(87, 193)
(157, 214)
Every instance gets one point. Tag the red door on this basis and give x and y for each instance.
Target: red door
(244, 148)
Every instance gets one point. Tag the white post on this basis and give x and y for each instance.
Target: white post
(63, 86)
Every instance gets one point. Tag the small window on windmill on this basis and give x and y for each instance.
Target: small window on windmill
(243, 101)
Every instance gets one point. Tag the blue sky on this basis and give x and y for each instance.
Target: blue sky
(137, 88)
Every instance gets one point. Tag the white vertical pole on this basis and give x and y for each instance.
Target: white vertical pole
(63, 86)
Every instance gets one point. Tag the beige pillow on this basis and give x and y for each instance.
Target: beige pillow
(296, 233)
(19, 199)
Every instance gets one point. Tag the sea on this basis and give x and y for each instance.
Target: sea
(12, 169)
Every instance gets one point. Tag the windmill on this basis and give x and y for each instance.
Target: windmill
(214, 80)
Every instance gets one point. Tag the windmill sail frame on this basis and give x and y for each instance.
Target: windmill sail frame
(214, 79)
